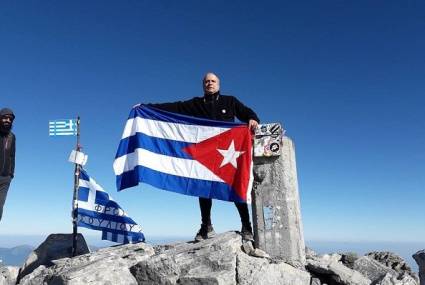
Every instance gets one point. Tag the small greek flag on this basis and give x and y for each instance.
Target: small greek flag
(98, 211)
(66, 127)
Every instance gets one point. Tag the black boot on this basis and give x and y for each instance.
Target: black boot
(246, 232)
(205, 232)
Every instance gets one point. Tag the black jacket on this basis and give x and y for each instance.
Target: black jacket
(215, 107)
(7, 154)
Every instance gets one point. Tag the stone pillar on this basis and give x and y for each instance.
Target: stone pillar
(420, 260)
(276, 210)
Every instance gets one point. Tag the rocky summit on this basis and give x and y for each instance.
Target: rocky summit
(224, 259)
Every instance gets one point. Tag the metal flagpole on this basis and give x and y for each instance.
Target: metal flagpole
(74, 199)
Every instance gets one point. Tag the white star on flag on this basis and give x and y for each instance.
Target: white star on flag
(230, 155)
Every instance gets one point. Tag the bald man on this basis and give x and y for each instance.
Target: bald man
(215, 106)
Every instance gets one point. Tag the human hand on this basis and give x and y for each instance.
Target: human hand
(252, 125)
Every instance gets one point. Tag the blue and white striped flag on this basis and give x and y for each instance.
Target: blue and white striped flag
(186, 155)
(98, 211)
(65, 127)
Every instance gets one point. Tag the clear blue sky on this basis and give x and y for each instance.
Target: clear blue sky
(345, 78)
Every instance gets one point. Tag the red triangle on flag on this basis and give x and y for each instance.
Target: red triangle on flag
(228, 155)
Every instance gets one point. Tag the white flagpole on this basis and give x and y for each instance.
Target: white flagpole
(74, 199)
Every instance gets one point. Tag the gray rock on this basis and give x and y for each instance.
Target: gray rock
(211, 261)
(56, 246)
(310, 253)
(315, 281)
(105, 266)
(259, 253)
(420, 260)
(220, 260)
(8, 275)
(261, 271)
(390, 279)
(248, 248)
(349, 258)
(394, 262)
(373, 269)
(331, 267)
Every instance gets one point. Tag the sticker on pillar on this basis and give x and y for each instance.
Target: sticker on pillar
(268, 218)
(268, 140)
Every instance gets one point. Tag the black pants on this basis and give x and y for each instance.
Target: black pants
(205, 204)
(4, 186)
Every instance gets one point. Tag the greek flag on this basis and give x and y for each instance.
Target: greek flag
(187, 155)
(66, 127)
(98, 211)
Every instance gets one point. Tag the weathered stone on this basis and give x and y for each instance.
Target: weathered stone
(315, 281)
(394, 262)
(309, 253)
(56, 246)
(349, 258)
(420, 260)
(8, 275)
(329, 265)
(220, 260)
(390, 279)
(259, 253)
(247, 247)
(105, 266)
(373, 269)
(260, 271)
(276, 206)
(212, 261)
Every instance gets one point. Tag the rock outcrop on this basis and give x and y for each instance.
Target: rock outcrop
(219, 260)
(376, 268)
(8, 275)
(224, 259)
(330, 270)
(56, 246)
(395, 262)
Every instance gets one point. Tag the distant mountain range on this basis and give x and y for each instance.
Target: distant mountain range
(15, 256)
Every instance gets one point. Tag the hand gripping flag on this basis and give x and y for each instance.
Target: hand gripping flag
(186, 155)
(98, 211)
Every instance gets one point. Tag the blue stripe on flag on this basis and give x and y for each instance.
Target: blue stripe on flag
(153, 144)
(84, 175)
(177, 184)
(83, 194)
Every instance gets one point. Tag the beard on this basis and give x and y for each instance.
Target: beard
(5, 128)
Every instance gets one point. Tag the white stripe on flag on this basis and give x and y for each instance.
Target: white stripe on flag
(90, 184)
(163, 163)
(62, 133)
(171, 131)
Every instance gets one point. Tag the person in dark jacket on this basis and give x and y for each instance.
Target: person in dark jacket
(213, 105)
(7, 154)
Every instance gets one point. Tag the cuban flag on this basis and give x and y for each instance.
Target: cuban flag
(97, 210)
(187, 155)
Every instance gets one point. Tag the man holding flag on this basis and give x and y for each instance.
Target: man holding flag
(216, 106)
